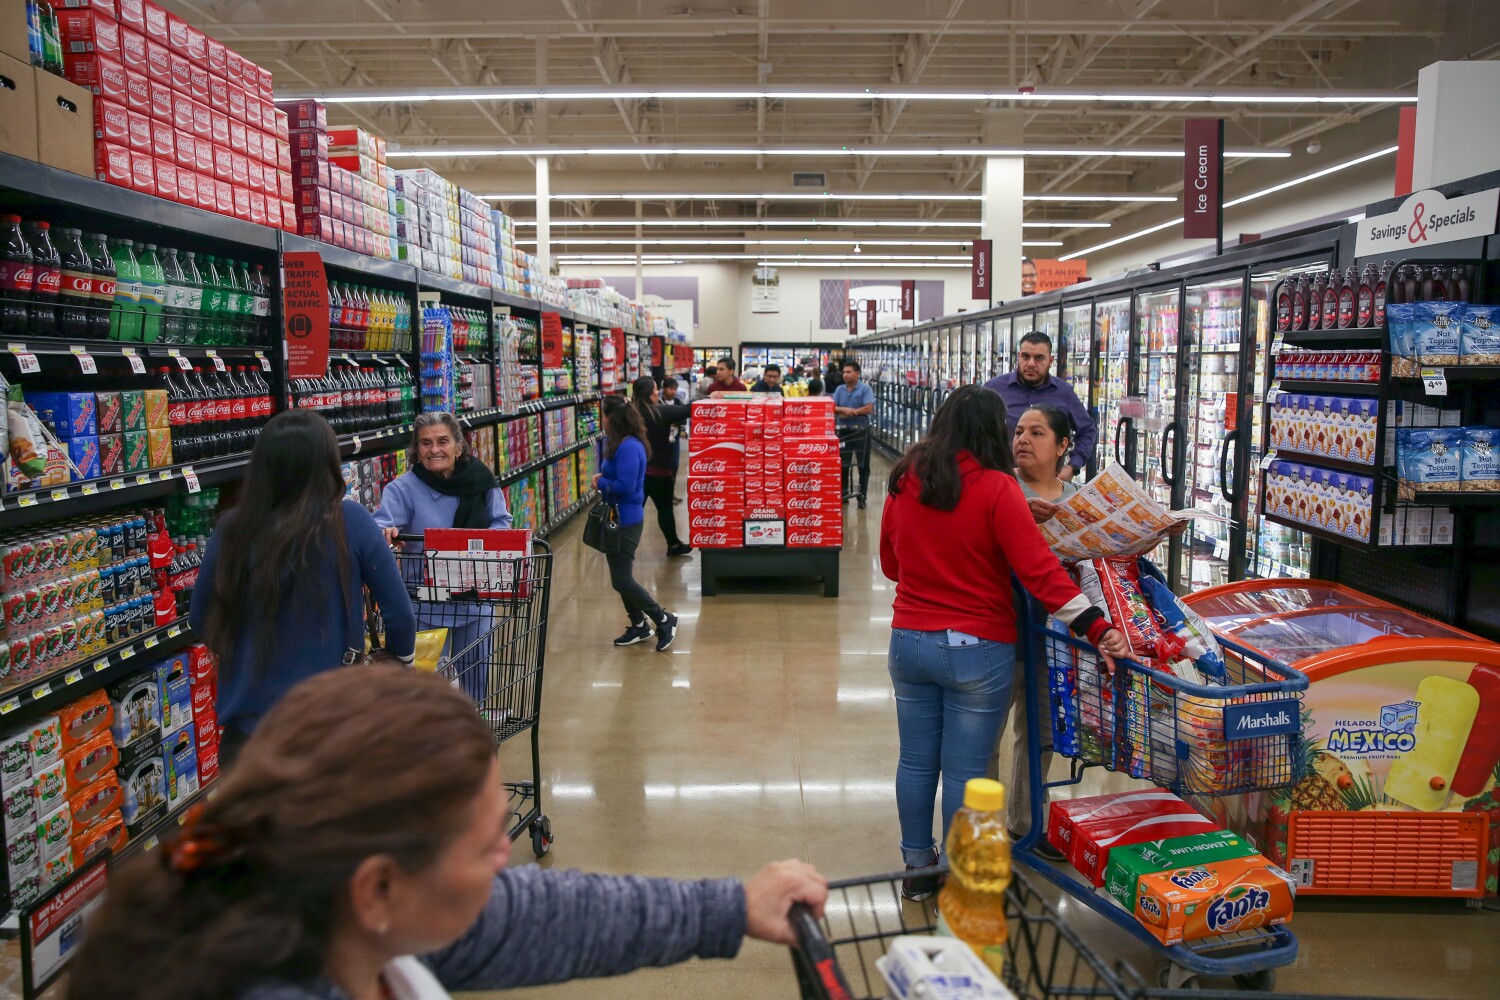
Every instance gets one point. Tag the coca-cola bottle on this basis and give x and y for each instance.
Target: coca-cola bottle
(260, 289)
(17, 278)
(184, 434)
(46, 279)
(203, 413)
(336, 335)
(103, 263)
(76, 296)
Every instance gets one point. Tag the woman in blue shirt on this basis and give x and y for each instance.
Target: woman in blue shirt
(280, 594)
(622, 482)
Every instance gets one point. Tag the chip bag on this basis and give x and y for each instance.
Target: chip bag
(1199, 644)
(1113, 585)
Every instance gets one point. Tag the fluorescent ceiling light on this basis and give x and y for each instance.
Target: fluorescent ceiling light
(826, 196)
(798, 223)
(861, 263)
(956, 259)
(718, 242)
(1046, 95)
(1273, 189)
(1126, 152)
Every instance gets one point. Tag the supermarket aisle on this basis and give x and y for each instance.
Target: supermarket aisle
(769, 731)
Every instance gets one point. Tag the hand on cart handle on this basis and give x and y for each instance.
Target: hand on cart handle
(1113, 645)
(391, 538)
(771, 893)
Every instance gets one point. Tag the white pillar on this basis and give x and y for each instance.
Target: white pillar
(640, 270)
(1000, 211)
(544, 214)
(1453, 141)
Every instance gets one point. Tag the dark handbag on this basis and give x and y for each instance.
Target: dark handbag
(602, 528)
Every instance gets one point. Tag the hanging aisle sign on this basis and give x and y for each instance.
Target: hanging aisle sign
(1426, 218)
(305, 301)
(908, 299)
(981, 270)
(853, 321)
(1203, 179)
(870, 307)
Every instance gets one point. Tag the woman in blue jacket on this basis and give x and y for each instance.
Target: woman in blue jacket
(622, 482)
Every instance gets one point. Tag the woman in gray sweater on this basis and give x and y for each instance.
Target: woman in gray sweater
(357, 851)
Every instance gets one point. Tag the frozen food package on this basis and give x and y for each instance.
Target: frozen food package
(1438, 327)
(1199, 644)
(1401, 319)
(1113, 586)
(1480, 462)
(1479, 339)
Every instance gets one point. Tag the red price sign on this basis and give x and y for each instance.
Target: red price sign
(305, 293)
(552, 340)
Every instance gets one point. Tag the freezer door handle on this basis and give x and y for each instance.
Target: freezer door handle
(1232, 496)
(1120, 427)
(1168, 436)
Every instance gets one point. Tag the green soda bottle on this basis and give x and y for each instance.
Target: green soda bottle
(194, 323)
(247, 304)
(153, 291)
(233, 321)
(213, 301)
(125, 317)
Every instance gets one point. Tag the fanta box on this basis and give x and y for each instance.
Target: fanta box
(1129, 863)
(1213, 898)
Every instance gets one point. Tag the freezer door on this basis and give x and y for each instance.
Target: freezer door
(1112, 382)
(985, 363)
(1074, 350)
(1161, 438)
(1004, 358)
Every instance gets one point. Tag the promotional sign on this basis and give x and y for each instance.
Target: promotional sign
(656, 351)
(1203, 179)
(304, 300)
(908, 299)
(853, 322)
(981, 277)
(1427, 218)
(52, 930)
(1054, 274)
(552, 340)
(870, 315)
(617, 334)
(765, 291)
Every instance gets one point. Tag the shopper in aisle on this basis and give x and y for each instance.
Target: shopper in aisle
(853, 402)
(279, 595)
(815, 386)
(1031, 383)
(769, 381)
(351, 855)
(669, 386)
(1041, 442)
(952, 652)
(622, 482)
(724, 380)
(445, 486)
(661, 421)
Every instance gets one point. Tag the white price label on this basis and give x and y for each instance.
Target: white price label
(218, 361)
(26, 500)
(101, 665)
(10, 705)
(29, 364)
(164, 475)
(73, 677)
(356, 444)
(116, 484)
(85, 361)
(265, 362)
(136, 364)
(143, 480)
(182, 361)
(60, 494)
(90, 489)
(150, 642)
(125, 654)
(1265, 463)
(1435, 381)
(151, 843)
(191, 478)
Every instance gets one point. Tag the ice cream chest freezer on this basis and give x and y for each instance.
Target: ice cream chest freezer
(1399, 759)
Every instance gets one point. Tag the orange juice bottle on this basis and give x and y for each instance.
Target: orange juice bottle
(971, 906)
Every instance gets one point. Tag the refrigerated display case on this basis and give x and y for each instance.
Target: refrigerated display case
(1003, 359)
(1160, 440)
(985, 362)
(1213, 311)
(1112, 383)
(1399, 757)
(1073, 351)
(968, 369)
(1049, 322)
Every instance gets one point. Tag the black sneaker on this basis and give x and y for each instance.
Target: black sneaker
(634, 634)
(861, 503)
(680, 549)
(666, 631)
(918, 889)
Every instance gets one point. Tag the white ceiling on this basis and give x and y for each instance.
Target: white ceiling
(344, 47)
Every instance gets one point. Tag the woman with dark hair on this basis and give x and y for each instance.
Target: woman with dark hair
(280, 594)
(954, 528)
(1043, 440)
(622, 481)
(358, 851)
(660, 419)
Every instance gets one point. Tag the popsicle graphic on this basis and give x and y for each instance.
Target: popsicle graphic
(1422, 777)
(1483, 749)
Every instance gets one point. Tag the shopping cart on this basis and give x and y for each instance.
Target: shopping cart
(1153, 725)
(486, 619)
(854, 456)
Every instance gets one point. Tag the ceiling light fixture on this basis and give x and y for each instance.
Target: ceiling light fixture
(800, 223)
(825, 196)
(708, 241)
(647, 149)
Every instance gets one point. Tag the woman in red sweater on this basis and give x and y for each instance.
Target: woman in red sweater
(954, 528)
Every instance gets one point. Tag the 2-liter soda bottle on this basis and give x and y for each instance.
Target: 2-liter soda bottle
(971, 905)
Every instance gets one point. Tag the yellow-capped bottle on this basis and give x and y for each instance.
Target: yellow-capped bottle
(971, 906)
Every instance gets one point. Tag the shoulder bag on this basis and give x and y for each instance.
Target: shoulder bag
(601, 530)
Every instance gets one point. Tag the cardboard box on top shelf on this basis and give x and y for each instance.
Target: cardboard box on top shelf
(13, 32)
(64, 124)
(18, 122)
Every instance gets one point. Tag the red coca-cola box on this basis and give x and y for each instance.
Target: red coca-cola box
(267, 85)
(801, 468)
(795, 448)
(1087, 829)
(159, 62)
(106, 77)
(137, 92)
(255, 174)
(724, 458)
(283, 155)
(182, 111)
(218, 93)
(284, 185)
(223, 163)
(731, 536)
(309, 143)
(814, 519)
(236, 101)
(223, 197)
(714, 503)
(142, 172)
(203, 156)
(162, 101)
(257, 207)
(306, 113)
(177, 34)
(112, 163)
(714, 408)
(198, 82)
(273, 214)
(237, 136)
(239, 170)
(164, 142)
(234, 67)
(808, 427)
(814, 538)
(218, 57)
(203, 121)
(186, 146)
(166, 180)
(187, 186)
(111, 122)
(205, 721)
(799, 407)
(704, 431)
(241, 202)
(133, 50)
(89, 31)
(132, 13)
(253, 144)
(288, 219)
(208, 765)
(197, 46)
(804, 485)
(315, 227)
(809, 502)
(253, 116)
(182, 73)
(207, 198)
(729, 486)
(138, 131)
(155, 19)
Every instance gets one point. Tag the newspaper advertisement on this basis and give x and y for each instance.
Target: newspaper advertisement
(1112, 515)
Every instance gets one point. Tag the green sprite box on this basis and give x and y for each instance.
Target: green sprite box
(1128, 863)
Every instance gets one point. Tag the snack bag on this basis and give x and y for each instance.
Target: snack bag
(1199, 644)
(1479, 340)
(1113, 585)
(1439, 325)
(1401, 318)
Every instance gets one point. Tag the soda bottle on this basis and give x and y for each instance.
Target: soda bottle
(971, 905)
(402, 333)
(125, 317)
(261, 289)
(184, 440)
(233, 321)
(17, 278)
(174, 298)
(153, 292)
(102, 316)
(193, 323)
(52, 50)
(35, 47)
(200, 412)
(46, 279)
(76, 295)
(237, 427)
(213, 301)
(248, 327)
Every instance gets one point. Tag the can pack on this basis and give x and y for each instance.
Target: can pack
(1129, 863)
(1214, 898)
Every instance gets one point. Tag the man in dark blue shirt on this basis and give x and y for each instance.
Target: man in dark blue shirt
(853, 402)
(1032, 383)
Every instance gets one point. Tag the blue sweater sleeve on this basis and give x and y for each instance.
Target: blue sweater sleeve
(395, 509)
(1085, 429)
(499, 514)
(630, 467)
(547, 926)
(378, 571)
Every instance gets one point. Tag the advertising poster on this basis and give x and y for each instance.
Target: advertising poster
(306, 300)
(1041, 275)
(765, 291)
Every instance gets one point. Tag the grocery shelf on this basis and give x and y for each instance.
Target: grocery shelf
(1321, 385)
(516, 475)
(1457, 373)
(1455, 498)
(84, 196)
(380, 439)
(561, 519)
(150, 840)
(63, 347)
(370, 267)
(1320, 533)
(503, 298)
(437, 283)
(1337, 464)
(1368, 335)
(88, 496)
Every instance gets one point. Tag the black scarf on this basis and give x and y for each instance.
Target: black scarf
(471, 482)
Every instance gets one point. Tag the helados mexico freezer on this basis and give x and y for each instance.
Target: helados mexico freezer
(1399, 756)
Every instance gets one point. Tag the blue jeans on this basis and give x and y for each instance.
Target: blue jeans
(951, 702)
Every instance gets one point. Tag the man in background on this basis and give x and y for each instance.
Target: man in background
(770, 381)
(1031, 383)
(724, 380)
(668, 397)
(853, 402)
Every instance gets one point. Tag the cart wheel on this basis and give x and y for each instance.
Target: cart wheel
(1263, 981)
(1174, 977)
(541, 836)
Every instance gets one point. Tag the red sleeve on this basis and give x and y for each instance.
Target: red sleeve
(1024, 548)
(888, 564)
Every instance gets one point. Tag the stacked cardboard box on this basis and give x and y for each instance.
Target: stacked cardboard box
(444, 229)
(340, 191)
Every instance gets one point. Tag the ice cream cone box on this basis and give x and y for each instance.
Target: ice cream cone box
(1214, 898)
(1087, 830)
(1128, 864)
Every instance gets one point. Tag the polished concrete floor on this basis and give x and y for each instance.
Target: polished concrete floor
(768, 731)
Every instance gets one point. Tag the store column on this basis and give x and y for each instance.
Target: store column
(544, 214)
(1000, 211)
(1452, 142)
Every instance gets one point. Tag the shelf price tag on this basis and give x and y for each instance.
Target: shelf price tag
(59, 494)
(29, 364)
(26, 500)
(182, 361)
(136, 364)
(1265, 463)
(90, 489)
(150, 642)
(85, 361)
(9, 705)
(265, 362)
(218, 361)
(73, 677)
(191, 478)
(1435, 381)
(101, 665)
(356, 444)
(116, 484)
(40, 691)
(143, 480)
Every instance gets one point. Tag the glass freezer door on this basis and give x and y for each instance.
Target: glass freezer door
(985, 366)
(966, 353)
(1073, 352)
(1003, 360)
(1160, 437)
(1112, 381)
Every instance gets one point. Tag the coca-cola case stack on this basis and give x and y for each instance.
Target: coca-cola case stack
(811, 473)
(716, 473)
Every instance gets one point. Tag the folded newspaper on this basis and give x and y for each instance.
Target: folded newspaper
(1112, 515)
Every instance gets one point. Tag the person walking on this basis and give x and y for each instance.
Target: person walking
(280, 593)
(661, 421)
(952, 653)
(359, 850)
(622, 482)
(1031, 383)
(769, 381)
(724, 379)
(853, 402)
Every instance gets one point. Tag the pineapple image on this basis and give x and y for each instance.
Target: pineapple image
(1488, 803)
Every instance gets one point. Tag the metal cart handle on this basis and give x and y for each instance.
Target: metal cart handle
(824, 979)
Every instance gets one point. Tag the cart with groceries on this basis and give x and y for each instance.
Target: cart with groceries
(481, 599)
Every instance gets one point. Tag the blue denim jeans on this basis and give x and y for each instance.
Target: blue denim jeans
(951, 702)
